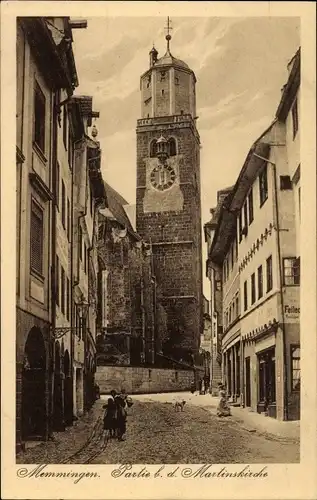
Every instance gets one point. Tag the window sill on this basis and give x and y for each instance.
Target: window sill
(37, 275)
(39, 153)
(287, 286)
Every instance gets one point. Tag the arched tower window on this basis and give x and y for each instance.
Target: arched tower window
(153, 149)
(172, 147)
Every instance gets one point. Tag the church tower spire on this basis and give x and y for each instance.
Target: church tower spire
(168, 35)
(168, 212)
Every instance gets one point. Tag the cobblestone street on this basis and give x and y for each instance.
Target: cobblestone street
(158, 434)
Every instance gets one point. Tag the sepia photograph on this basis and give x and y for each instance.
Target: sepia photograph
(158, 241)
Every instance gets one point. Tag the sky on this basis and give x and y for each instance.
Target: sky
(240, 65)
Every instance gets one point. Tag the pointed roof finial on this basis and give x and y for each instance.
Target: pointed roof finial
(168, 36)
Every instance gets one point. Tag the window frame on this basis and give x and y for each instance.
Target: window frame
(250, 206)
(294, 347)
(39, 102)
(63, 211)
(253, 289)
(63, 276)
(57, 280)
(57, 187)
(295, 260)
(245, 295)
(269, 275)
(263, 193)
(260, 281)
(295, 121)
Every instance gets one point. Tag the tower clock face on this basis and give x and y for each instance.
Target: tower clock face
(162, 177)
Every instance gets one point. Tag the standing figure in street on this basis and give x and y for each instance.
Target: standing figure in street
(223, 409)
(110, 419)
(193, 388)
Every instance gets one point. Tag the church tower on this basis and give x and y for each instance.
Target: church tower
(168, 212)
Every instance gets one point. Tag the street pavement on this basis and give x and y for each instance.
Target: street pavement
(156, 433)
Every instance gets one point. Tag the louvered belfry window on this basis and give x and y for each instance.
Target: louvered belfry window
(37, 234)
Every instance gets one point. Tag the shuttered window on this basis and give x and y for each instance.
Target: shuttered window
(37, 235)
(67, 299)
(57, 281)
(62, 290)
(39, 117)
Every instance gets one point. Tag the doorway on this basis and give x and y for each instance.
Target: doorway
(247, 382)
(58, 398)
(34, 415)
(267, 383)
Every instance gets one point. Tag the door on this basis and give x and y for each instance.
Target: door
(247, 382)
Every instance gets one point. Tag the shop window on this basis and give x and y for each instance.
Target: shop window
(245, 292)
(295, 365)
(285, 182)
(250, 205)
(37, 237)
(260, 282)
(253, 288)
(39, 117)
(295, 118)
(291, 271)
(263, 186)
(269, 274)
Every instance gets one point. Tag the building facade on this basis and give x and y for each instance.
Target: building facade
(168, 213)
(39, 90)
(214, 266)
(59, 190)
(260, 219)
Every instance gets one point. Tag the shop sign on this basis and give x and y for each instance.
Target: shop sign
(291, 312)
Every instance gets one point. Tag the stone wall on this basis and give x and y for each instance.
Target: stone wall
(139, 380)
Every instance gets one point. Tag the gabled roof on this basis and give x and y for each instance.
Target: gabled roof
(115, 203)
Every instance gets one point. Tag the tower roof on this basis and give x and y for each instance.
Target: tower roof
(169, 60)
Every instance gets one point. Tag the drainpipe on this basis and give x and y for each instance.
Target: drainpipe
(278, 240)
(53, 247)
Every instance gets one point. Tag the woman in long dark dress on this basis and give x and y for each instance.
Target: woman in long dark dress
(121, 421)
(110, 418)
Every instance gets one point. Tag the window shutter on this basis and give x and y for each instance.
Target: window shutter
(36, 238)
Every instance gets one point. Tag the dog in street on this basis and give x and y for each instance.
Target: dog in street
(179, 405)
